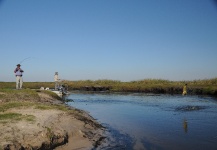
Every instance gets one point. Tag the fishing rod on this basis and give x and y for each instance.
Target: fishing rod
(25, 59)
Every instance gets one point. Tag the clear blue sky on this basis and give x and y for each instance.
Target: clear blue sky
(109, 39)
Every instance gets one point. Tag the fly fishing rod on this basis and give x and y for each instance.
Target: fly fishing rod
(25, 59)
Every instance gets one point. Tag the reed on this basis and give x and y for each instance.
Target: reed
(205, 86)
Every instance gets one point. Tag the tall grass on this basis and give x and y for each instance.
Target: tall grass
(206, 86)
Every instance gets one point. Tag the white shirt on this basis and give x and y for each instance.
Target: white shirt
(56, 78)
(18, 72)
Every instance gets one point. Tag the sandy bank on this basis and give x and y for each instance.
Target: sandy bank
(45, 123)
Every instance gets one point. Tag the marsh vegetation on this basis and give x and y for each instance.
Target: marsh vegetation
(199, 87)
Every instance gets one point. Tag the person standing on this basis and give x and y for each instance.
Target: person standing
(184, 90)
(19, 80)
(56, 80)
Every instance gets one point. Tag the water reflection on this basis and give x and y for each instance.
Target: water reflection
(185, 125)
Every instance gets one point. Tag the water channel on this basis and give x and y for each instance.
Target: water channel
(152, 122)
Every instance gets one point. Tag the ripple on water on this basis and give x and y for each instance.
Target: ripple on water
(190, 108)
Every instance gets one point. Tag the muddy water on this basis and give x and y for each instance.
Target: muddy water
(162, 122)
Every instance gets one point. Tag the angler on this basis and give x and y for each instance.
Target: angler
(19, 80)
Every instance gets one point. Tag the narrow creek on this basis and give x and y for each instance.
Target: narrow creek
(158, 122)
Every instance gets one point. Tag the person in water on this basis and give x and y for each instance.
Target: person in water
(184, 90)
(19, 80)
(185, 125)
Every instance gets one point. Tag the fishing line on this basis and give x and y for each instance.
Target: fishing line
(25, 59)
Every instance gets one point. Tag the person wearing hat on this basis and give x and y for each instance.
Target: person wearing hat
(19, 80)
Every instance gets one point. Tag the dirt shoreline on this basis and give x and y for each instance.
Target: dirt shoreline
(47, 123)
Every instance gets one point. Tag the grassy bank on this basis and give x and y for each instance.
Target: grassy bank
(27, 98)
(13, 99)
(200, 87)
(36, 119)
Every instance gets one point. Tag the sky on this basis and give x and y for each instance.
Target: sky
(124, 40)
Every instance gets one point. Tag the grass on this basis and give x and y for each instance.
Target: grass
(7, 95)
(21, 99)
(6, 106)
(27, 98)
(9, 105)
(47, 107)
(17, 95)
(52, 94)
(5, 117)
(205, 86)
(30, 85)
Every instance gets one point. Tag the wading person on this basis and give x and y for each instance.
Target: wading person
(185, 125)
(184, 90)
(56, 80)
(19, 80)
